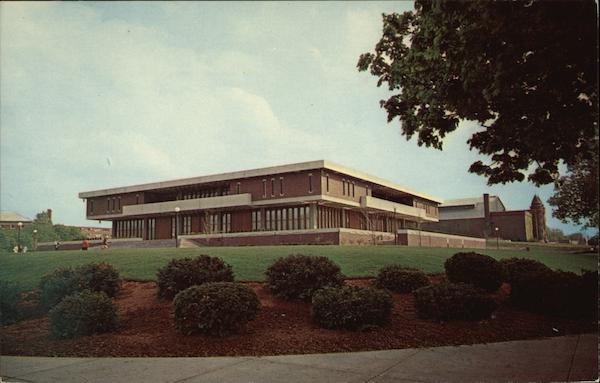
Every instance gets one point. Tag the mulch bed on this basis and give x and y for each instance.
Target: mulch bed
(282, 327)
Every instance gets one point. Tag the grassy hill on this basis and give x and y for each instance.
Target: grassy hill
(250, 263)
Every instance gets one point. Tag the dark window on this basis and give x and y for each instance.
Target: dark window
(352, 189)
(310, 185)
(272, 187)
(237, 188)
(280, 185)
(264, 188)
(327, 183)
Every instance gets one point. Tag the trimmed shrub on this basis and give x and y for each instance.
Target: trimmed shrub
(100, 277)
(55, 286)
(477, 269)
(61, 282)
(400, 279)
(9, 302)
(351, 308)
(557, 293)
(83, 313)
(299, 276)
(216, 308)
(517, 268)
(450, 301)
(179, 274)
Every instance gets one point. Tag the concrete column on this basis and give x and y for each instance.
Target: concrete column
(312, 216)
(343, 223)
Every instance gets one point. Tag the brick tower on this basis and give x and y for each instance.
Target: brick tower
(538, 213)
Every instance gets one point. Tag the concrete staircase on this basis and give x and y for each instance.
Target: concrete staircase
(187, 244)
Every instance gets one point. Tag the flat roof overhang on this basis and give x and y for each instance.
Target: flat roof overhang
(290, 168)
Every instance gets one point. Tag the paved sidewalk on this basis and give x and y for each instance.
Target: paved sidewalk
(568, 358)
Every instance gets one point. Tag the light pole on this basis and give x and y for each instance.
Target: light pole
(177, 209)
(19, 226)
(34, 244)
(497, 230)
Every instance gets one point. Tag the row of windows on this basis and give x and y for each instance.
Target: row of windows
(133, 228)
(205, 193)
(151, 234)
(264, 187)
(328, 217)
(431, 210)
(291, 218)
(219, 223)
(276, 219)
(348, 188)
(113, 204)
(185, 225)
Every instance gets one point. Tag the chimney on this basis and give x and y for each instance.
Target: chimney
(487, 230)
(49, 212)
(486, 206)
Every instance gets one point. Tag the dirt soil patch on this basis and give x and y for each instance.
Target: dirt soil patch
(282, 327)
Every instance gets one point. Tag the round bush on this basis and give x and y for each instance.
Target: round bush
(100, 277)
(351, 308)
(557, 293)
(64, 281)
(400, 279)
(477, 269)
(179, 274)
(216, 308)
(83, 313)
(56, 285)
(517, 268)
(299, 276)
(9, 302)
(451, 301)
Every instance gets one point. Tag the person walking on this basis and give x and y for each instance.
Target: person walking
(84, 245)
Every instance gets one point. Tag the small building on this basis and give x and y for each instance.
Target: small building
(94, 232)
(487, 216)
(10, 220)
(316, 202)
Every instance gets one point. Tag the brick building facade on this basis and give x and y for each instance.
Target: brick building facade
(487, 217)
(310, 202)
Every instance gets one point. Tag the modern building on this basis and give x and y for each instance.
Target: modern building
(487, 216)
(10, 220)
(315, 202)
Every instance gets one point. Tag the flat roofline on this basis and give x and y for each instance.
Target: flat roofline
(301, 166)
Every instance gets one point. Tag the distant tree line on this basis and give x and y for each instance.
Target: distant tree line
(46, 232)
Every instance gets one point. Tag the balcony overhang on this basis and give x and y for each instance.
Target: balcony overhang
(183, 205)
(189, 204)
(378, 204)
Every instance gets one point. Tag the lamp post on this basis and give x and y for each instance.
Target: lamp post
(177, 210)
(19, 226)
(395, 228)
(497, 230)
(34, 244)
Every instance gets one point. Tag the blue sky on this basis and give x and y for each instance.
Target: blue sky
(96, 95)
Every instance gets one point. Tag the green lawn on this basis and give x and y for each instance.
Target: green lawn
(249, 263)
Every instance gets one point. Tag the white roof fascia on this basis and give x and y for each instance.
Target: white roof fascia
(258, 173)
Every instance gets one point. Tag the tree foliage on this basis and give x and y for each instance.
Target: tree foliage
(46, 232)
(576, 194)
(525, 71)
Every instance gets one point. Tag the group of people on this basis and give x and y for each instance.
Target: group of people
(105, 243)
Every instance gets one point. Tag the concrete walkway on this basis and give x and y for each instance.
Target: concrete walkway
(568, 358)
